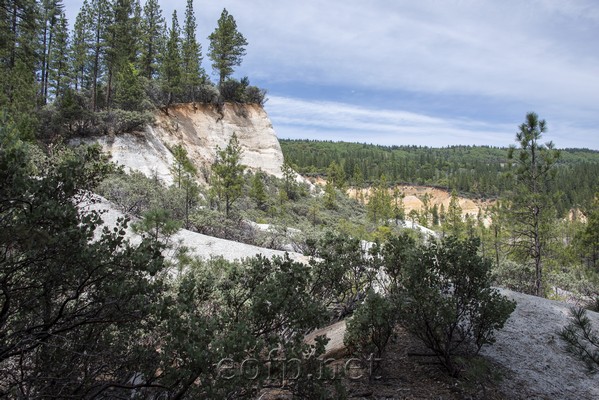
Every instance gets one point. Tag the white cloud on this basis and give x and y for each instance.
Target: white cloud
(294, 118)
(540, 55)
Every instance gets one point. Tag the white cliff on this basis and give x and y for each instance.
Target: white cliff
(201, 129)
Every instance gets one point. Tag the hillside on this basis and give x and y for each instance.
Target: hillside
(201, 129)
(474, 171)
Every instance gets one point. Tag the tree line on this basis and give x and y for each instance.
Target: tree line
(120, 60)
(479, 171)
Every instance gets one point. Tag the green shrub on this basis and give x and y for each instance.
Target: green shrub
(370, 327)
(514, 276)
(447, 302)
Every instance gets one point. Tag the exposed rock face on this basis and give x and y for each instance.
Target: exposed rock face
(200, 129)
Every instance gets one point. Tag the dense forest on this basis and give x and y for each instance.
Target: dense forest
(120, 61)
(478, 171)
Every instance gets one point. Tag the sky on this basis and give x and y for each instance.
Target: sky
(427, 72)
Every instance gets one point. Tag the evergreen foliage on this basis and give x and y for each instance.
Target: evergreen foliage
(476, 171)
(589, 236)
(227, 174)
(227, 46)
(531, 206)
(581, 339)
(118, 62)
(191, 56)
(446, 300)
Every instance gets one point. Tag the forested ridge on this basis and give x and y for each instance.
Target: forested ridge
(479, 171)
(119, 63)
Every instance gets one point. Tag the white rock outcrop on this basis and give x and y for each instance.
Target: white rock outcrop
(201, 129)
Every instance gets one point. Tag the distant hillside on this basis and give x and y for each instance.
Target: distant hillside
(476, 171)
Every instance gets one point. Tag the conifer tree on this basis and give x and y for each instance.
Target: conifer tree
(184, 172)
(531, 207)
(258, 191)
(130, 94)
(589, 237)
(19, 40)
(358, 181)
(228, 174)
(182, 164)
(121, 43)
(453, 219)
(99, 20)
(59, 58)
(150, 37)
(171, 63)
(330, 196)
(379, 203)
(399, 211)
(336, 174)
(80, 48)
(227, 46)
(289, 181)
(191, 55)
(50, 14)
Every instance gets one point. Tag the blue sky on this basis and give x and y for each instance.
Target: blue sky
(427, 72)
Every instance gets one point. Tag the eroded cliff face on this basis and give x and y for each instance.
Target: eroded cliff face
(201, 129)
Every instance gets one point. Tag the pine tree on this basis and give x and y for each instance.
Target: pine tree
(129, 94)
(531, 207)
(121, 44)
(228, 174)
(453, 219)
(379, 203)
(18, 61)
(330, 196)
(589, 237)
(191, 55)
(258, 191)
(435, 215)
(358, 181)
(59, 58)
(399, 211)
(150, 37)
(80, 48)
(50, 14)
(184, 173)
(289, 181)
(99, 20)
(171, 63)
(182, 165)
(227, 46)
(336, 175)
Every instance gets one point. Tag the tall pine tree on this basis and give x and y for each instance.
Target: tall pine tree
(191, 55)
(81, 45)
(171, 63)
(227, 46)
(150, 38)
(531, 208)
(58, 68)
